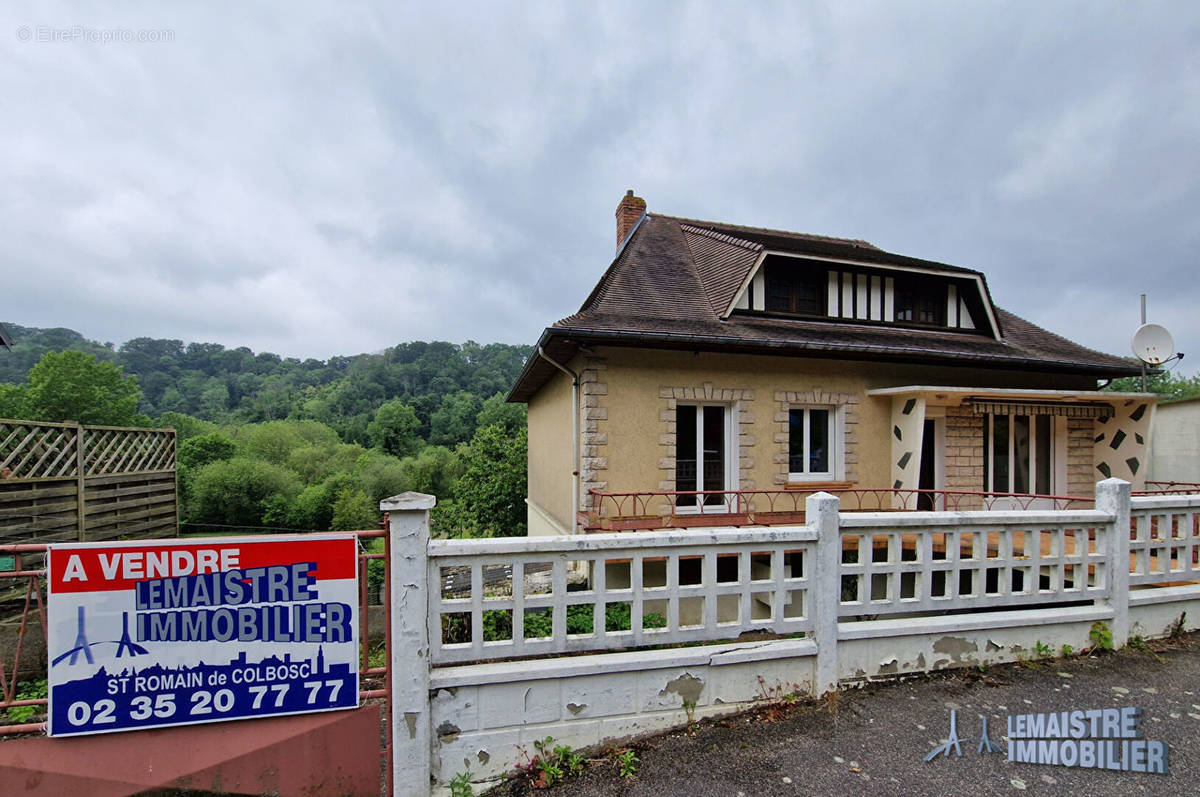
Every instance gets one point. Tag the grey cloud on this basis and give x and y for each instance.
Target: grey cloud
(318, 179)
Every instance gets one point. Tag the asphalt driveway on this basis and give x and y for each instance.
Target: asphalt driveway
(873, 740)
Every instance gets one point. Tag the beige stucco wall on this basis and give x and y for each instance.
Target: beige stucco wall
(550, 466)
(627, 417)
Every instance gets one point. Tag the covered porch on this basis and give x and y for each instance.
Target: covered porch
(949, 449)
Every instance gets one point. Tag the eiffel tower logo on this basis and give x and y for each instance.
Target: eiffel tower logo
(125, 645)
(81, 643)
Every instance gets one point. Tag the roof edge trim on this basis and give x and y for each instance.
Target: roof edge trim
(762, 256)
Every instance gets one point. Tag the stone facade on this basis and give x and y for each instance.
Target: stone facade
(847, 426)
(593, 428)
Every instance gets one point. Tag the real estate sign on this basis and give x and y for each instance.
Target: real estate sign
(174, 632)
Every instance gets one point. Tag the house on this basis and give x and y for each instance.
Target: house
(717, 374)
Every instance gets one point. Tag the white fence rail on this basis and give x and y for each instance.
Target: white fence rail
(634, 589)
(941, 562)
(480, 627)
(1165, 539)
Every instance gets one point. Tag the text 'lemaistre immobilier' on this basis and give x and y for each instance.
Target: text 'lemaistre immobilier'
(1102, 738)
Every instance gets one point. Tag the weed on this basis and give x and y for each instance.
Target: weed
(551, 764)
(1138, 643)
(570, 761)
(1178, 628)
(460, 785)
(29, 690)
(628, 761)
(1042, 650)
(1067, 651)
(1101, 636)
(689, 707)
(549, 772)
(776, 698)
(377, 656)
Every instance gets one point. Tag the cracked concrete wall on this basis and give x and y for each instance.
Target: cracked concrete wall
(483, 726)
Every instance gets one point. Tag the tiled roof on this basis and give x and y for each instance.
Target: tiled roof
(675, 278)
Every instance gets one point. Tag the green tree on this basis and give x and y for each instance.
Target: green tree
(14, 401)
(433, 471)
(489, 499)
(241, 492)
(196, 452)
(275, 441)
(454, 422)
(313, 508)
(1165, 384)
(185, 426)
(353, 510)
(73, 386)
(394, 429)
(498, 412)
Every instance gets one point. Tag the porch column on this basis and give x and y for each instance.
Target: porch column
(908, 429)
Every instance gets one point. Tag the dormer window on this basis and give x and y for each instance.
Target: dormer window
(796, 291)
(815, 289)
(921, 301)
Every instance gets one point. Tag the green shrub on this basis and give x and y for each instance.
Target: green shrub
(29, 690)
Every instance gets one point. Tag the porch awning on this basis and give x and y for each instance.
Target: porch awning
(1066, 410)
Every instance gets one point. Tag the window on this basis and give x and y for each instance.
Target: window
(921, 301)
(702, 454)
(1018, 454)
(811, 443)
(795, 290)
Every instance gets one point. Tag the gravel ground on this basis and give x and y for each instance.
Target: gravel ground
(874, 740)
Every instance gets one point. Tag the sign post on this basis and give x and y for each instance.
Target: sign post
(174, 632)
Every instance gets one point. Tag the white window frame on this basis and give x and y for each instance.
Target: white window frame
(837, 459)
(1057, 455)
(732, 455)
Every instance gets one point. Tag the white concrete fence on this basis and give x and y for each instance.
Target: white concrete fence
(640, 632)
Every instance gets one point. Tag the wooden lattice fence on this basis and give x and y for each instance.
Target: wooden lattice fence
(64, 481)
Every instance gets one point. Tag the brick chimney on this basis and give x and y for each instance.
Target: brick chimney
(629, 211)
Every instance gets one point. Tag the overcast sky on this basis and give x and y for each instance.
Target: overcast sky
(318, 179)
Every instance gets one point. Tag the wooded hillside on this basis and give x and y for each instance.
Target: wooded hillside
(307, 444)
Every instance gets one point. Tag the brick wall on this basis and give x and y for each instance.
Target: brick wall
(964, 450)
(629, 210)
(1081, 473)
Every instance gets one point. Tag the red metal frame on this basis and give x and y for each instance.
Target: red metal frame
(640, 510)
(10, 675)
(1169, 488)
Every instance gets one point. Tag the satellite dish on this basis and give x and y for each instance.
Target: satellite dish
(1153, 344)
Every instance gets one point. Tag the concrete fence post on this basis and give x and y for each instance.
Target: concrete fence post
(408, 538)
(1112, 496)
(825, 586)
